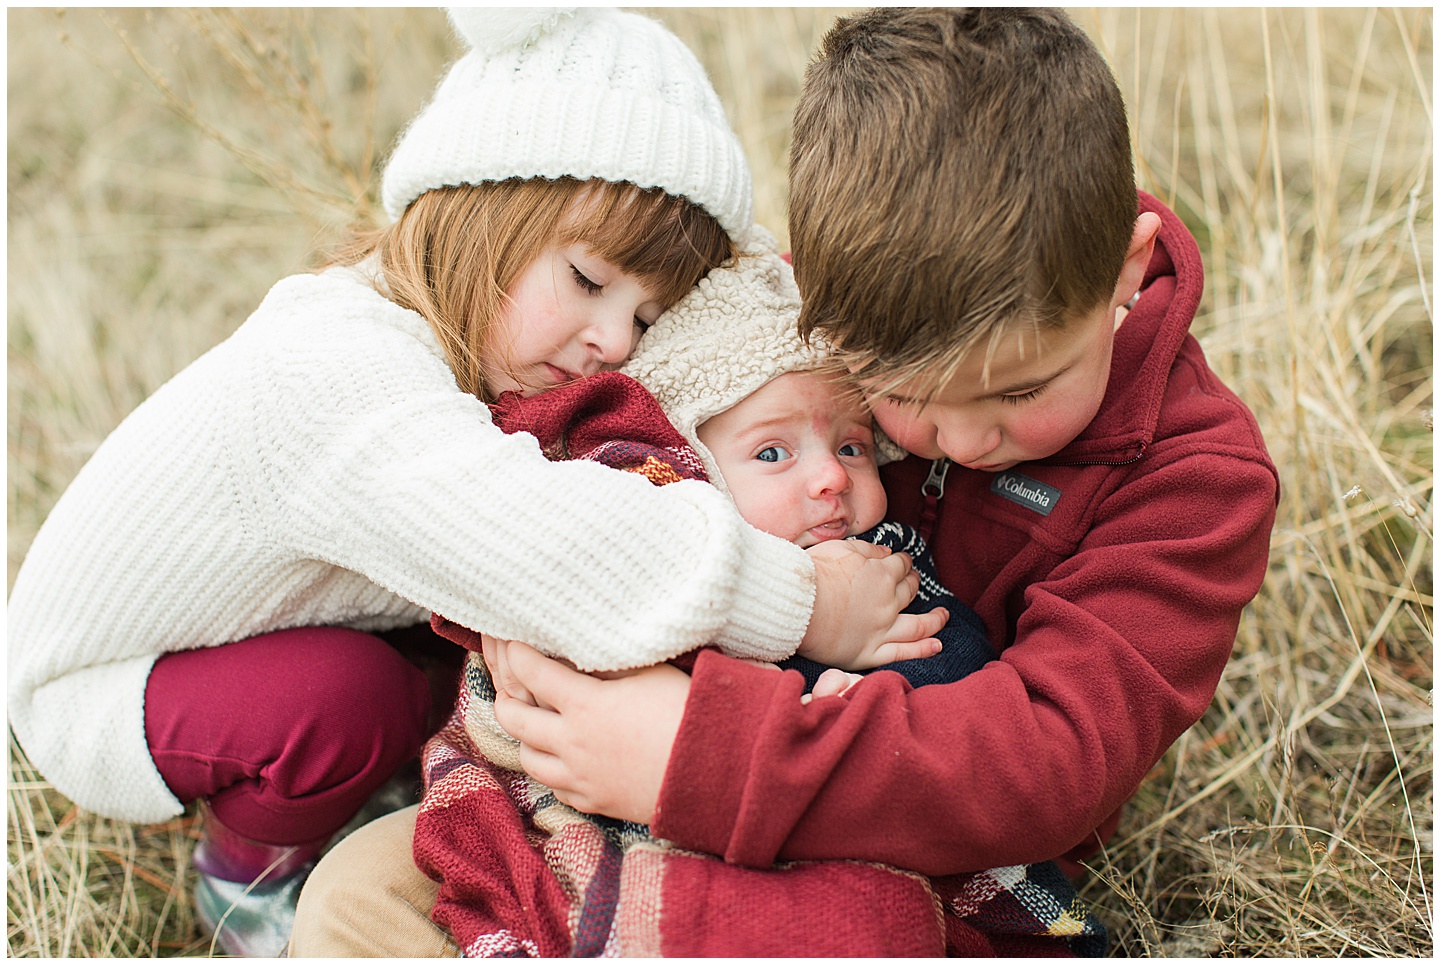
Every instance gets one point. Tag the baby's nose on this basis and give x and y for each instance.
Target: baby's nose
(830, 476)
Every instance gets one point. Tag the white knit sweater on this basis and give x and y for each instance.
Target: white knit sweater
(322, 467)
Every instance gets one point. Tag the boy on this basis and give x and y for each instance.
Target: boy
(778, 428)
(965, 230)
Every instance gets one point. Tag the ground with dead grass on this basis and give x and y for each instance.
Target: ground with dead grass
(165, 169)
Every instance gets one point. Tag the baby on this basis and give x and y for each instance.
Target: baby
(721, 389)
(798, 457)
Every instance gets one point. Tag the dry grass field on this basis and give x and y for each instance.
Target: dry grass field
(165, 168)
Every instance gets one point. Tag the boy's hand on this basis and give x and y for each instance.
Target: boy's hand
(495, 652)
(860, 591)
(601, 744)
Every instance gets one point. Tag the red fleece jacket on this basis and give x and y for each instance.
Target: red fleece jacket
(1114, 588)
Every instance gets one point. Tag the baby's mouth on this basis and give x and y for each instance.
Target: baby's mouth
(832, 529)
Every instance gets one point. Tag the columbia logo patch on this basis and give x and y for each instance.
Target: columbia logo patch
(1030, 493)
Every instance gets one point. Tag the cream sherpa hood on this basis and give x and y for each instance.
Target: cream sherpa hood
(733, 333)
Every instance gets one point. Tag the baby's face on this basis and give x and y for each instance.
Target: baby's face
(799, 458)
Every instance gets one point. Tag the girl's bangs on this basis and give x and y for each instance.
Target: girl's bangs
(669, 242)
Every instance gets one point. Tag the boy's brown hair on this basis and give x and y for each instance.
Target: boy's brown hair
(454, 251)
(954, 171)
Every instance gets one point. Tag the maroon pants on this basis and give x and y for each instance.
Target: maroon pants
(287, 734)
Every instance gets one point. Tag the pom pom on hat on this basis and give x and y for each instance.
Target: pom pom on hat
(591, 92)
(490, 30)
(734, 332)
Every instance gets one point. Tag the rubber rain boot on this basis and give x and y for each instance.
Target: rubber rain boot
(246, 891)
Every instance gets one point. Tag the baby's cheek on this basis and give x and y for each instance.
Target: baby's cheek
(767, 509)
(870, 504)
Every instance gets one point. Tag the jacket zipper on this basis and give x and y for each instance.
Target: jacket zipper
(932, 489)
(1103, 462)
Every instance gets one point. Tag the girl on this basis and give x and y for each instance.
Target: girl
(200, 616)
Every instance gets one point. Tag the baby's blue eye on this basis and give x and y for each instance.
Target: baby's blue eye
(852, 449)
(772, 454)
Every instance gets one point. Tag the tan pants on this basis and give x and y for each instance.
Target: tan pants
(366, 899)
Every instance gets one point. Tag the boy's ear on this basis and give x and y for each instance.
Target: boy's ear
(1137, 258)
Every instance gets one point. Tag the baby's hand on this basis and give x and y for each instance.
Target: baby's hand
(860, 591)
(831, 683)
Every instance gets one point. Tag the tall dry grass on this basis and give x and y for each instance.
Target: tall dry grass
(166, 167)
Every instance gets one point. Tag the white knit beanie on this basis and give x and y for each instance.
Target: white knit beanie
(733, 333)
(589, 92)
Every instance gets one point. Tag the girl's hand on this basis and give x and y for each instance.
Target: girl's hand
(860, 592)
(601, 744)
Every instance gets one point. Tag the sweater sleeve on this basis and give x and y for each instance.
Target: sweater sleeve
(385, 468)
(1115, 655)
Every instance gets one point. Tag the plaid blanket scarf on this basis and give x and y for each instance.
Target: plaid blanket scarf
(522, 875)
